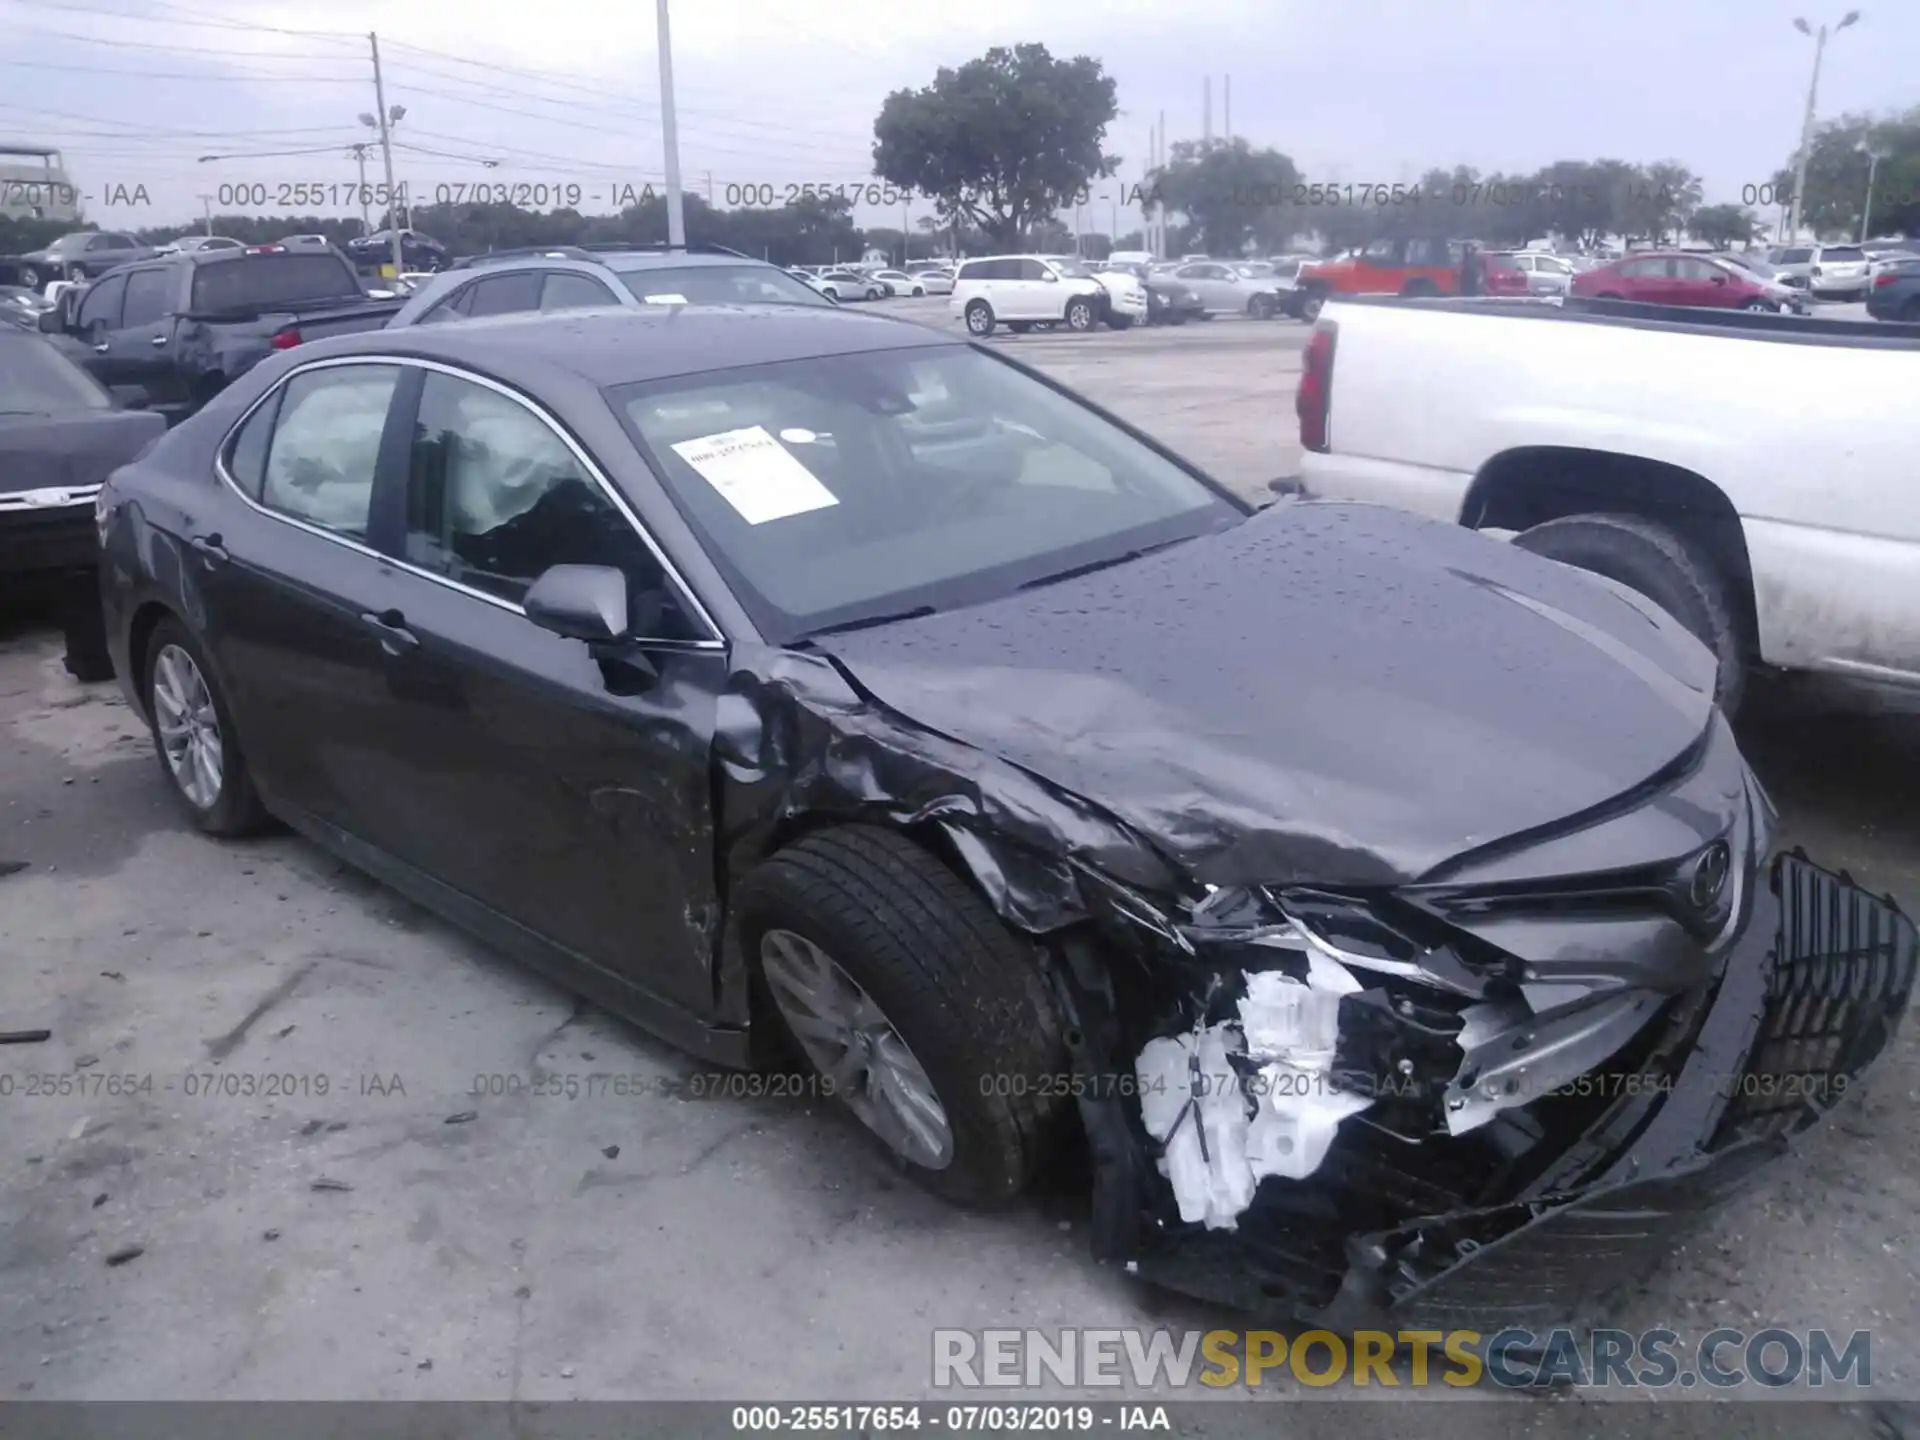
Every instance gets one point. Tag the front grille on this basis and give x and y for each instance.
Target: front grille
(1842, 976)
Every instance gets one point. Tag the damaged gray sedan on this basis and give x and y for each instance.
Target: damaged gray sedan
(1389, 910)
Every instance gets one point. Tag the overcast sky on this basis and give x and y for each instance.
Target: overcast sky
(566, 92)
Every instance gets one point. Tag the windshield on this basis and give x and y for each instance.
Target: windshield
(264, 282)
(36, 379)
(1842, 255)
(847, 487)
(722, 285)
(1795, 257)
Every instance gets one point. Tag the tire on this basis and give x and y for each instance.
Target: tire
(919, 291)
(1262, 307)
(1079, 316)
(1668, 569)
(979, 318)
(1609, 295)
(235, 808)
(83, 628)
(1119, 322)
(1420, 290)
(1764, 306)
(1020, 327)
(948, 979)
(1311, 305)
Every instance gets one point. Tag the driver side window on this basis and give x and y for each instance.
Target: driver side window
(495, 496)
(100, 306)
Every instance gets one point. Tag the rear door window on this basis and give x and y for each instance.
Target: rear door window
(563, 290)
(326, 446)
(100, 306)
(263, 282)
(505, 295)
(148, 295)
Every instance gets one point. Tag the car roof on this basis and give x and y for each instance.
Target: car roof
(609, 346)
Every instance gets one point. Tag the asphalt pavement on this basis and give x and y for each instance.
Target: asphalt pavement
(294, 1138)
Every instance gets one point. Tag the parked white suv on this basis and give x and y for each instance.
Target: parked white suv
(1126, 296)
(1020, 291)
(1840, 270)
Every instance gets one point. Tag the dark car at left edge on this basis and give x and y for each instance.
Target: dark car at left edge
(1386, 914)
(61, 435)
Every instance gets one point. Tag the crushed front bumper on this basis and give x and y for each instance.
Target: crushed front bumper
(1798, 1011)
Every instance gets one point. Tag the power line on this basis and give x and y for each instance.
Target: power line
(200, 75)
(180, 49)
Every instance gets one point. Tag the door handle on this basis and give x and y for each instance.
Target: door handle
(159, 340)
(391, 627)
(101, 348)
(210, 546)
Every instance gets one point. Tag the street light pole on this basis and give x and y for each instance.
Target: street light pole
(1874, 156)
(1806, 123)
(670, 133)
(386, 153)
(360, 158)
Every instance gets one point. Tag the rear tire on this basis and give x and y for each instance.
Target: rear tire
(979, 318)
(232, 807)
(941, 973)
(1665, 567)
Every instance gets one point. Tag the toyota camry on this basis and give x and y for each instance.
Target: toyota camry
(1386, 913)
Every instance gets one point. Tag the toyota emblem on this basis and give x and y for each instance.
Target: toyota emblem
(1710, 873)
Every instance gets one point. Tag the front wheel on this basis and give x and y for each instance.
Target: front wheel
(1764, 306)
(1667, 568)
(1119, 322)
(1262, 307)
(1079, 315)
(979, 318)
(919, 291)
(917, 1009)
(194, 736)
(1311, 306)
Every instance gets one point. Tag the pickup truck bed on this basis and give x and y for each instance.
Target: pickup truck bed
(1752, 473)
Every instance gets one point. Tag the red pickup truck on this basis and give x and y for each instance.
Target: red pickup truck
(1415, 266)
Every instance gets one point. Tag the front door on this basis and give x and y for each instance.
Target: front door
(140, 348)
(569, 795)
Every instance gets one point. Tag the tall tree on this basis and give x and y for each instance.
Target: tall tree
(1003, 142)
(1724, 226)
(1837, 173)
(1229, 192)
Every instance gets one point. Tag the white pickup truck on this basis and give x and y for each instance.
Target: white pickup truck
(1757, 476)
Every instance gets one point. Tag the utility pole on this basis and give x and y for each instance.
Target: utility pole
(1226, 124)
(709, 175)
(1875, 154)
(360, 155)
(906, 244)
(1206, 111)
(670, 132)
(386, 151)
(1160, 206)
(1806, 124)
(206, 207)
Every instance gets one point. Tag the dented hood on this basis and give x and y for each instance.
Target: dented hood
(1341, 694)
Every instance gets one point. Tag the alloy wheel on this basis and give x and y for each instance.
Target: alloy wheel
(189, 727)
(856, 1049)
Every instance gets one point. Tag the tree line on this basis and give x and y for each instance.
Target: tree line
(1005, 144)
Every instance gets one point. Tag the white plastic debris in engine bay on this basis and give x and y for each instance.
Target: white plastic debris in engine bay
(1222, 1134)
(755, 475)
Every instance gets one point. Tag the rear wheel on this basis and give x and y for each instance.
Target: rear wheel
(1665, 567)
(194, 736)
(1079, 314)
(905, 993)
(979, 318)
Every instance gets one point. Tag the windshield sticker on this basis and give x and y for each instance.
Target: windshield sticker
(754, 473)
(666, 299)
(796, 436)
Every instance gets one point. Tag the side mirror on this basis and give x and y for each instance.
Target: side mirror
(51, 322)
(1719, 279)
(581, 602)
(131, 397)
(1051, 278)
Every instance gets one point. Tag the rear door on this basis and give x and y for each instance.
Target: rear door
(1701, 282)
(296, 589)
(570, 795)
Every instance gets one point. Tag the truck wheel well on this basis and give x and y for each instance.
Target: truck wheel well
(145, 619)
(1528, 487)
